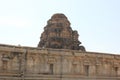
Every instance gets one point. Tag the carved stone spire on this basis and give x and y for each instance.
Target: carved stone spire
(58, 34)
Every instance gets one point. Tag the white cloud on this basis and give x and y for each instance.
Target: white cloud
(14, 21)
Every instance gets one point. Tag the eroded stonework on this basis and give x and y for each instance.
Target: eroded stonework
(58, 34)
(28, 63)
(57, 57)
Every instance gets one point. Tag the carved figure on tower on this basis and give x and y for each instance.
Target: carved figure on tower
(59, 35)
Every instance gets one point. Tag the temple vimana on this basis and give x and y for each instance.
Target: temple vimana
(59, 55)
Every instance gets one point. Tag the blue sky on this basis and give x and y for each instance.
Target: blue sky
(97, 21)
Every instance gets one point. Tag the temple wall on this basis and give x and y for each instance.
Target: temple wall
(27, 63)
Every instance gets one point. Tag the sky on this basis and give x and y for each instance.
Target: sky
(97, 22)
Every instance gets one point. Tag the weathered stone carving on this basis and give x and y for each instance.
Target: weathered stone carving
(58, 34)
(28, 63)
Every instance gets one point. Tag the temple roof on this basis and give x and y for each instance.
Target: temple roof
(58, 34)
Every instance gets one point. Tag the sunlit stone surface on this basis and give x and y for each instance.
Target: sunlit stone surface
(59, 56)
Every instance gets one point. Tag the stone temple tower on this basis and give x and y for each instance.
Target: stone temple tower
(59, 35)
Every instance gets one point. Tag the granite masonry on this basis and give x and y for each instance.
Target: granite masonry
(59, 56)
